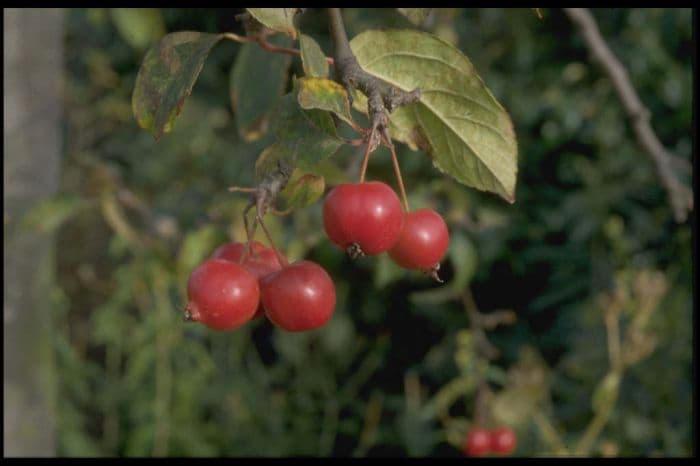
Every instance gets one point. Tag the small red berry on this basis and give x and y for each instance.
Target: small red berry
(299, 297)
(366, 214)
(260, 261)
(503, 440)
(477, 442)
(423, 242)
(222, 294)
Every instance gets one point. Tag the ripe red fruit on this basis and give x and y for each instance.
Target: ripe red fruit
(423, 242)
(503, 440)
(367, 214)
(260, 262)
(222, 294)
(299, 297)
(477, 442)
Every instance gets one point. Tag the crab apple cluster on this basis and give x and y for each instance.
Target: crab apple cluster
(239, 283)
(366, 218)
(479, 441)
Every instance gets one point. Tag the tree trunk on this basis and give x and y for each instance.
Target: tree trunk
(32, 154)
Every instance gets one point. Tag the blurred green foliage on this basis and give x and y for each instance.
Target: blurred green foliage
(590, 218)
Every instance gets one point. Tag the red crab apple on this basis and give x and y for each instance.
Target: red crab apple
(260, 261)
(423, 242)
(477, 442)
(299, 297)
(367, 216)
(222, 294)
(503, 440)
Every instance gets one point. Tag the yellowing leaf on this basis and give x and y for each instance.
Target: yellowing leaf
(166, 77)
(303, 189)
(457, 122)
(324, 94)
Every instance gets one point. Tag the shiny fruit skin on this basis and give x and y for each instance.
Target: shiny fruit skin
(259, 262)
(299, 297)
(503, 440)
(222, 294)
(423, 242)
(368, 214)
(477, 442)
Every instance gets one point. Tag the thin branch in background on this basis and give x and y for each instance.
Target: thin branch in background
(680, 195)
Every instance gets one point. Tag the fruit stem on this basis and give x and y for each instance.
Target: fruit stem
(249, 231)
(397, 170)
(272, 243)
(365, 161)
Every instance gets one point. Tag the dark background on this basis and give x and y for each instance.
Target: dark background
(591, 219)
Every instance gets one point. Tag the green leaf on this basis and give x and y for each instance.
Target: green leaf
(312, 57)
(324, 94)
(256, 82)
(166, 77)
(415, 15)
(303, 137)
(47, 215)
(458, 122)
(303, 189)
(277, 19)
(139, 27)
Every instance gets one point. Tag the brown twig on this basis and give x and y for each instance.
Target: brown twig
(484, 348)
(680, 195)
(261, 40)
(262, 198)
(382, 97)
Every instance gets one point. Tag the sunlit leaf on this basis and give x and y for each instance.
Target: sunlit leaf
(277, 19)
(166, 77)
(257, 80)
(458, 122)
(312, 58)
